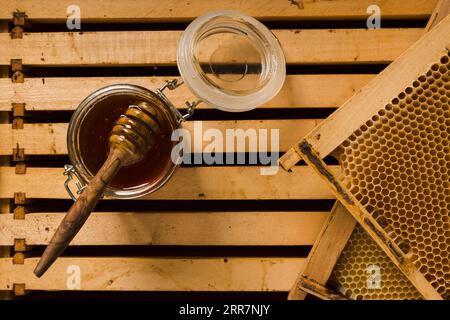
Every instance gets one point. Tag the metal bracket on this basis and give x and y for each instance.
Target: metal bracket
(69, 172)
(172, 85)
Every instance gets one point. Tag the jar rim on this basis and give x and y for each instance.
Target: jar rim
(221, 99)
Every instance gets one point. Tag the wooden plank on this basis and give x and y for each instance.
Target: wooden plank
(347, 119)
(5, 205)
(402, 260)
(440, 12)
(320, 290)
(188, 183)
(416, 61)
(326, 251)
(329, 239)
(50, 138)
(173, 10)
(299, 91)
(159, 47)
(157, 274)
(172, 228)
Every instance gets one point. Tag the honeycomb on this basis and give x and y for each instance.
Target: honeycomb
(352, 272)
(397, 166)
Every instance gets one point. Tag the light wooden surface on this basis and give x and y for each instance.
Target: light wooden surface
(4, 203)
(441, 10)
(173, 10)
(50, 138)
(326, 250)
(172, 228)
(159, 47)
(393, 80)
(341, 221)
(299, 91)
(339, 126)
(198, 183)
(321, 47)
(158, 274)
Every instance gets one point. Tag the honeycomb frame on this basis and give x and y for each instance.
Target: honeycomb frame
(397, 165)
(417, 80)
(351, 272)
(340, 261)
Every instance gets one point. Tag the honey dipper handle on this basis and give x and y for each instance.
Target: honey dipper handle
(81, 209)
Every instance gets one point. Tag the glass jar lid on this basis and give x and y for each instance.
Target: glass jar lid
(231, 61)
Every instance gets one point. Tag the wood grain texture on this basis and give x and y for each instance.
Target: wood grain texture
(393, 80)
(197, 183)
(158, 274)
(50, 138)
(326, 250)
(173, 10)
(299, 91)
(403, 261)
(81, 209)
(159, 47)
(337, 229)
(172, 228)
(441, 10)
(320, 290)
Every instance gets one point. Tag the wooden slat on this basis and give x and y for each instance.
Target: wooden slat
(441, 10)
(50, 138)
(173, 10)
(347, 119)
(337, 228)
(398, 76)
(305, 91)
(158, 274)
(159, 47)
(326, 251)
(173, 228)
(187, 183)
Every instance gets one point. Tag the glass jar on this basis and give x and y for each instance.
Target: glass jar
(88, 134)
(231, 61)
(227, 59)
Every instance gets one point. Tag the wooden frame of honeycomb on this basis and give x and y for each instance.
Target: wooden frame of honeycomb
(392, 142)
(344, 252)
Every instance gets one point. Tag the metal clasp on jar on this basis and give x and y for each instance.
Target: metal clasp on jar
(69, 172)
(172, 85)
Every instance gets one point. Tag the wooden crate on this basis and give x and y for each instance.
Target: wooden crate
(248, 233)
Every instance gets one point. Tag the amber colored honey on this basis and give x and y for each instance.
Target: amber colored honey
(93, 141)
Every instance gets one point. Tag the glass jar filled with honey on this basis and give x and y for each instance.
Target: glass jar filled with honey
(228, 60)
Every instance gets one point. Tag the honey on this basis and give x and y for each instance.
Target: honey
(94, 133)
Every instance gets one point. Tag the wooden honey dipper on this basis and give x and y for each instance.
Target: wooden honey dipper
(132, 136)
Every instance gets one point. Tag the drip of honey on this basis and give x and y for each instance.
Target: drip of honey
(94, 134)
